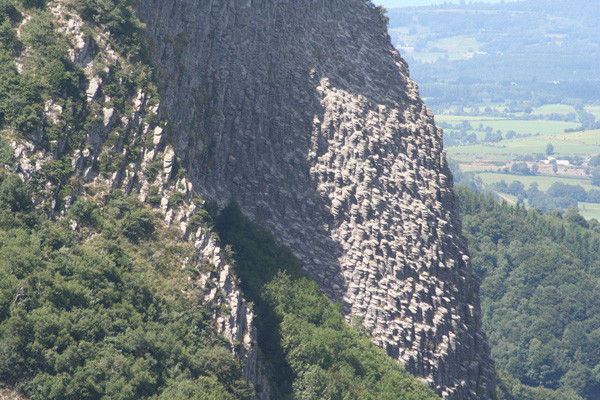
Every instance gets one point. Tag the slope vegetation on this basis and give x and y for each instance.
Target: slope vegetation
(97, 306)
(112, 284)
(540, 292)
(309, 349)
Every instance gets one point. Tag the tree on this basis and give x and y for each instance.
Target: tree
(596, 177)
(594, 161)
(549, 149)
(565, 190)
(516, 188)
(520, 169)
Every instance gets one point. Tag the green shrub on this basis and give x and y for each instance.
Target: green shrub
(381, 13)
(194, 223)
(119, 16)
(6, 153)
(8, 36)
(138, 224)
(154, 198)
(176, 199)
(8, 12)
(54, 236)
(14, 195)
(201, 218)
(153, 170)
(57, 171)
(35, 3)
(86, 213)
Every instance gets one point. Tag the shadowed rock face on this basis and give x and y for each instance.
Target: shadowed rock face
(303, 112)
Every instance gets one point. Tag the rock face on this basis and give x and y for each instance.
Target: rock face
(303, 112)
(138, 126)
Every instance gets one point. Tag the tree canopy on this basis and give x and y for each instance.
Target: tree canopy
(540, 292)
(96, 313)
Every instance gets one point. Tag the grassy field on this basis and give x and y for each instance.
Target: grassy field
(489, 158)
(544, 182)
(458, 46)
(471, 168)
(589, 210)
(454, 119)
(554, 108)
(532, 145)
(505, 125)
(585, 137)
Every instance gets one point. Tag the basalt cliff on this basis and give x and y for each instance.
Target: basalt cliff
(304, 113)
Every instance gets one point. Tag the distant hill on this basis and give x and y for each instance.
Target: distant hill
(537, 40)
(418, 3)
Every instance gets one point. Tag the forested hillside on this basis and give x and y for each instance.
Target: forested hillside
(97, 306)
(540, 292)
(472, 52)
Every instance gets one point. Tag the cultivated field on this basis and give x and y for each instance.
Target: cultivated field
(492, 162)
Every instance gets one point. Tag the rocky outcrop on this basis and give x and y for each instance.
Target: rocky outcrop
(6, 394)
(104, 163)
(302, 111)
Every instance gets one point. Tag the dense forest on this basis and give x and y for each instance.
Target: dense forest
(97, 306)
(540, 291)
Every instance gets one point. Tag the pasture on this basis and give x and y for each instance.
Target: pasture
(532, 145)
(523, 127)
(544, 182)
(589, 210)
